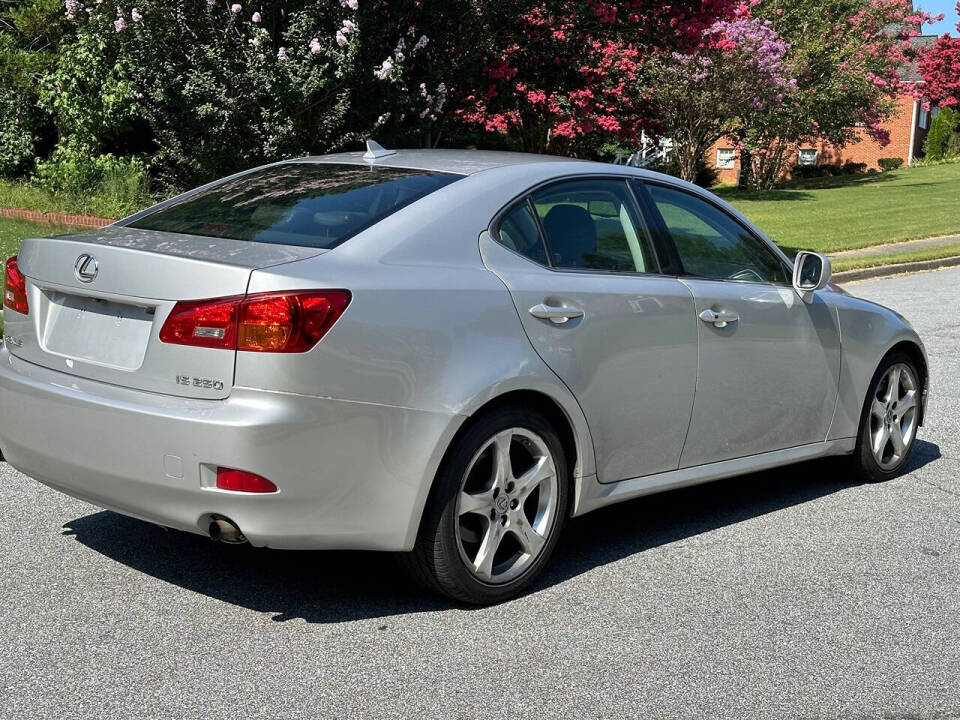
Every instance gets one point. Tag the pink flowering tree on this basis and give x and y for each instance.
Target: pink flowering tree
(737, 75)
(559, 73)
(848, 59)
(940, 68)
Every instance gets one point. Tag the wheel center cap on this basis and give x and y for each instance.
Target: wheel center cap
(501, 504)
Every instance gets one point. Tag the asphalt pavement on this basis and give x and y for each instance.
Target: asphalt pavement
(795, 593)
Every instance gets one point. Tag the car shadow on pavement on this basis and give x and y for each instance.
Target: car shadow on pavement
(330, 587)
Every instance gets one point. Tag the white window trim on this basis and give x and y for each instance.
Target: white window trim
(729, 163)
(816, 156)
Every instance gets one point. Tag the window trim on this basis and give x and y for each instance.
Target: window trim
(527, 197)
(775, 252)
(732, 160)
(816, 157)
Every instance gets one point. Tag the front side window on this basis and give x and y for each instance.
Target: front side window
(710, 243)
(726, 158)
(311, 204)
(807, 157)
(593, 225)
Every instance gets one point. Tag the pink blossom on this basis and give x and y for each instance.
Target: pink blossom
(119, 24)
(341, 39)
(315, 47)
(72, 7)
(383, 72)
(282, 54)
(135, 15)
(256, 17)
(352, 4)
(235, 8)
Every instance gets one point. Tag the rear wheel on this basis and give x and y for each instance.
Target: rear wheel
(891, 415)
(496, 509)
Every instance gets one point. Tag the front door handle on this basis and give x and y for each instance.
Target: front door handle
(719, 318)
(554, 313)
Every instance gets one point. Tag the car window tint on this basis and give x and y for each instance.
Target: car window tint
(710, 243)
(312, 204)
(592, 224)
(518, 231)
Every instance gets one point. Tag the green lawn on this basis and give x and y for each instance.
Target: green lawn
(847, 212)
(13, 232)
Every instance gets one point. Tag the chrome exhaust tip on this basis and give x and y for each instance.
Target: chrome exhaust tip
(223, 530)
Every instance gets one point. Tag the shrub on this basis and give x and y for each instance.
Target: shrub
(944, 126)
(17, 138)
(890, 163)
(853, 168)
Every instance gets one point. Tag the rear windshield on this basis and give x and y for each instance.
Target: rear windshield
(311, 204)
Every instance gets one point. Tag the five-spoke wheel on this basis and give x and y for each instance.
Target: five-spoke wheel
(891, 416)
(496, 508)
(506, 505)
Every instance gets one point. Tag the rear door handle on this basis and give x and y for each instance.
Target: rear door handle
(554, 313)
(719, 318)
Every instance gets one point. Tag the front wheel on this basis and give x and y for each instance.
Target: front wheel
(888, 424)
(496, 510)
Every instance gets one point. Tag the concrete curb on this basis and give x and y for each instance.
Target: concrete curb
(55, 218)
(901, 269)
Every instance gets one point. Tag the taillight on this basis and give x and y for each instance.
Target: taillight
(203, 323)
(241, 481)
(15, 288)
(266, 322)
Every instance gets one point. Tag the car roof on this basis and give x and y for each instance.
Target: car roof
(464, 162)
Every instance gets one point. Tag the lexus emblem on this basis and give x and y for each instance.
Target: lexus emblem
(86, 268)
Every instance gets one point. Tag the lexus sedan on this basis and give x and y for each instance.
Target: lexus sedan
(444, 354)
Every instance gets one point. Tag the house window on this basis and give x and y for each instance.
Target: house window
(726, 159)
(924, 120)
(807, 157)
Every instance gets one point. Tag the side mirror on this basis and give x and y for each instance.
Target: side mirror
(811, 272)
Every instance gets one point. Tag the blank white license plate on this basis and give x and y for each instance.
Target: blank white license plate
(106, 333)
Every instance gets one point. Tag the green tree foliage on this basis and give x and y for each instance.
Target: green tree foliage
(944, 129)
(31, 32)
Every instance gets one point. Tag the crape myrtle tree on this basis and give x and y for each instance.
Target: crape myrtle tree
(736, 76)
(203, 87)
(559, 75)
(846, 58)
(785, 72)
(940, 69)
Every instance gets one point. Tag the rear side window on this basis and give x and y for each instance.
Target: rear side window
(593, 225)
(518, 231)
(311, 204)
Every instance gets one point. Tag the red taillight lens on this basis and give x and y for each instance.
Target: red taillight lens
(266, 322)
(240, 481)
(289, 322)
(15, 288)
(203, 323)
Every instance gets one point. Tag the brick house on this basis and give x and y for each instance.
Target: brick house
(908, 127)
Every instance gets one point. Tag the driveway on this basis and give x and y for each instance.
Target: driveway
(787, 594)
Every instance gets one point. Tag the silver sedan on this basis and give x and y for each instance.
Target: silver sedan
(441, 353)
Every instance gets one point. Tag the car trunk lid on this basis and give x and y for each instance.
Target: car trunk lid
(98, 299)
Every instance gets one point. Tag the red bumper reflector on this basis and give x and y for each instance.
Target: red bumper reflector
(240, 481)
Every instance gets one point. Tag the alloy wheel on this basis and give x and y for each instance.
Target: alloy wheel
(893, 416)
(507, 505)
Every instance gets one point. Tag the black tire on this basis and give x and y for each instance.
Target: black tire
(436, 560)
(864, 464)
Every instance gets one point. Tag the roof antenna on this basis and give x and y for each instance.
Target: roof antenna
(375, 150)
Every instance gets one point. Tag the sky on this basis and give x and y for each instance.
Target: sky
(935, 7)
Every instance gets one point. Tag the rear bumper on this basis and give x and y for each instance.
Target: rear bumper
(351, 475)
